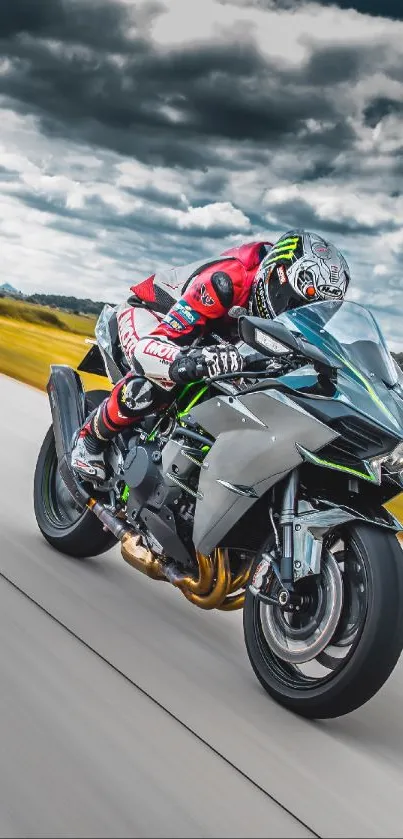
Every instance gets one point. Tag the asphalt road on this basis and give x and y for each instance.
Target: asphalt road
(125, 711)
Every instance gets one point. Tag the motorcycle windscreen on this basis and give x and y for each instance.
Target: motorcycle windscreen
(345, 332)
(348, 334)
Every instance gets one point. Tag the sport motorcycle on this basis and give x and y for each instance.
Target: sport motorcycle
(263, 491)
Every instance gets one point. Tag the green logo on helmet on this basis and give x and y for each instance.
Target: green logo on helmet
(284, 249)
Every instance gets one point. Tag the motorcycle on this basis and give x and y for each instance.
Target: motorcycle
(263, 491)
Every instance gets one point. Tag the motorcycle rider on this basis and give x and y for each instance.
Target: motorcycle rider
(173, 308)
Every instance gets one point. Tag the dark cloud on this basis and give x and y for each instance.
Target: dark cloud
(297, 213)
(333, 65)
(155, 196)
(69, 225)
(146, 220)
(387, 8)
(29, 16)
(72, 21)
(6, 175)
(377, 8)
(317, 170)
(379, 108)
(168, 106)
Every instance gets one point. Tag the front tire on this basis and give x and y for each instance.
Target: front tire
(365, 646)
(74, 532)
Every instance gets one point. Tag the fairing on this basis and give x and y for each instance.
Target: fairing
(259, 436)
(349, 335)
(106, 332)
(255, 447)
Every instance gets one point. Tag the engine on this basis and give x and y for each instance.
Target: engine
(162, 477)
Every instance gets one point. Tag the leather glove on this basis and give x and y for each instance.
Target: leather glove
(205, 362)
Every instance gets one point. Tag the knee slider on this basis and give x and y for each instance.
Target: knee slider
(136, 395)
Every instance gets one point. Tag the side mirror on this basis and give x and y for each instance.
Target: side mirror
(278, 340)
(266, 334)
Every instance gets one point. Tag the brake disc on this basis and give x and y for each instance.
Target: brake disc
(298, 646)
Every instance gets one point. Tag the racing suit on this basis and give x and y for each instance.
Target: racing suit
(170, 309)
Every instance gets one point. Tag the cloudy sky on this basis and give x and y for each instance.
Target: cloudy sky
(138, 134)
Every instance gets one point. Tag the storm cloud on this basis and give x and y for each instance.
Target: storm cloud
(139, 135)
(163, 106)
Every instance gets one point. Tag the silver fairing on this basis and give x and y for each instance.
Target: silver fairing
(255, 447)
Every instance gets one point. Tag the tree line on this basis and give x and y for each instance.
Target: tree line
(76, 305)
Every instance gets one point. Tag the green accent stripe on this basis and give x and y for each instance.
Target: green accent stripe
(368, 387)
(277, 256)
(186, 388)
(293, 240)
(330, 465)
(285, 245)
(192, 402)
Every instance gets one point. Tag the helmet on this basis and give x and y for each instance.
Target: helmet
(300, 268)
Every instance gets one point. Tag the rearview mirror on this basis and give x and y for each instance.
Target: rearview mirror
(259, 333)
(278, 340)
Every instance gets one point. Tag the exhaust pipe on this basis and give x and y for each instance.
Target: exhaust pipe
(133, 551)
(212, 590)
(67, 405)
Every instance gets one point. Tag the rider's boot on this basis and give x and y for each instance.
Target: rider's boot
(88, 453)
(128, 401)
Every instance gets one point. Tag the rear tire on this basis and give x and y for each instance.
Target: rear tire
(373, 655)
(74, 532)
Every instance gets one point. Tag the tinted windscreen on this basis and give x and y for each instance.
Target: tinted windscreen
(347, 332)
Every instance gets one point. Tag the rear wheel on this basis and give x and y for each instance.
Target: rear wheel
(335, 653)
(71, 531)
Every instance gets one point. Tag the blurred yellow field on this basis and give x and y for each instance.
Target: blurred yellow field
(396, 507)
(28, 349)
(46, 316)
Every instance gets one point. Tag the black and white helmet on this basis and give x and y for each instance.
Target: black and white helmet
(300, 268)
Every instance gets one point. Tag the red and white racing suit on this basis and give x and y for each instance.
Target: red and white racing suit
(174, 307)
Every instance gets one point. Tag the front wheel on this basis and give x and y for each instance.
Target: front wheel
(335, 653)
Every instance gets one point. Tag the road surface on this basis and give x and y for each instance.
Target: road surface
(125, 711)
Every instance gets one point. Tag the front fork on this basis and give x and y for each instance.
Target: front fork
(287, 519)
(283, 568)
(304, 527)
(303, 531)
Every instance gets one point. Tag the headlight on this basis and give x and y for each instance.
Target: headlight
(269, 343)
(394, 462)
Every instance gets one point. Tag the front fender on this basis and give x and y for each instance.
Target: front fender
(311, 526)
